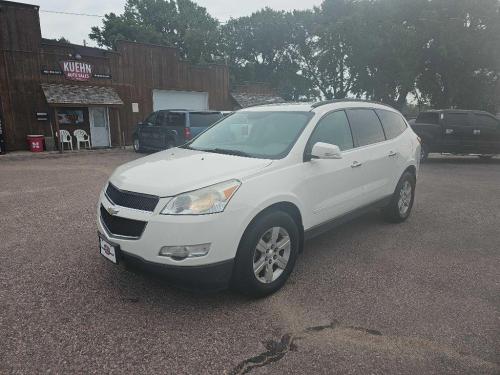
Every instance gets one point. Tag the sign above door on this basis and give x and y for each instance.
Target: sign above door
(76, 70)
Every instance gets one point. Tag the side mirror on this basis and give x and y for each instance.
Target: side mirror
(322, 150)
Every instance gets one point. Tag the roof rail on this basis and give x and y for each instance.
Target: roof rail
(325, 102)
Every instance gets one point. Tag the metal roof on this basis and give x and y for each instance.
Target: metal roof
(246, 100)
(80, 95)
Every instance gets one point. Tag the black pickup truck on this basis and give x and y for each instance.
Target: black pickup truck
(458, 132)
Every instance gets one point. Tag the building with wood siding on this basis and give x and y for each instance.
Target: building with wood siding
(46, 84)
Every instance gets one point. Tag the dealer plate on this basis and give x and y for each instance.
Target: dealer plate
(108, 250)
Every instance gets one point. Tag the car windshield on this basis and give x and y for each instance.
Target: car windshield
(258, 134)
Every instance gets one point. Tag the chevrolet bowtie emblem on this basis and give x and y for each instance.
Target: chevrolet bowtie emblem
(112, 210)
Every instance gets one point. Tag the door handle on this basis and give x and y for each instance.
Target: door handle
(392, 153)
(477, 132)
(356, 164)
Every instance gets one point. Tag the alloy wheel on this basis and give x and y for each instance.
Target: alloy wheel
(405, 196)
(271, 255)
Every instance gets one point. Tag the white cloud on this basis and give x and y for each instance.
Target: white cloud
(77, 28)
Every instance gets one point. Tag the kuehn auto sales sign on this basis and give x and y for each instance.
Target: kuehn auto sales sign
(77, 70)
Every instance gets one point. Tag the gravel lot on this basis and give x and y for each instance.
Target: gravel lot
(369, 298)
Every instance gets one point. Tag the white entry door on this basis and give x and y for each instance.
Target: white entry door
(99, 126)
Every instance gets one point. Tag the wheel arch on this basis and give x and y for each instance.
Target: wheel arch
(411, 169)
(285, 206)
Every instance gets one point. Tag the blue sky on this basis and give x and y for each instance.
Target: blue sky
(77, 28)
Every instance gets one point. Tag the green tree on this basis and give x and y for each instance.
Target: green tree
(461, 60)
(179, 23)
(260, 47)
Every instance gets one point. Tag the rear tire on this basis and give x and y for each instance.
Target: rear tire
(399, 208)
(266, 255)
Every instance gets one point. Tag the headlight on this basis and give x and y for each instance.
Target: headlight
(209, 200)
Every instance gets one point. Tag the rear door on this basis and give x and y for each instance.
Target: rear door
(457, 132)
(330, 187)
(394, 126)
(174, 128)
(200, 121)
(372, 155)
(486, 129)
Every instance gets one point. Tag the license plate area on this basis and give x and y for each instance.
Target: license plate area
(108, 250)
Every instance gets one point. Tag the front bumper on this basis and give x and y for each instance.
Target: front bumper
(223, 231)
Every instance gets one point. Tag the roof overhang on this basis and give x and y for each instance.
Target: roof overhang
(80, 95)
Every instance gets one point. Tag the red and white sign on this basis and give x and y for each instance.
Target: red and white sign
(76, 70)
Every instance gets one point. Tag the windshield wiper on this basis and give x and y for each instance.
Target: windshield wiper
(228, 152)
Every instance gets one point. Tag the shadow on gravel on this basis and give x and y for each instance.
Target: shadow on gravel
(460, 160)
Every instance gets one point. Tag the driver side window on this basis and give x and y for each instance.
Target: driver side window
(151, 120)
(334, 129)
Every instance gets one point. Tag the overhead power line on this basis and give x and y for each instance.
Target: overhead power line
(72, 14)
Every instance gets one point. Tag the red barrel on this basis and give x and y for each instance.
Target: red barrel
(35, 142)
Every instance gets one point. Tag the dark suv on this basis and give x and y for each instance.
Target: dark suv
(170, 128)
(458, 132)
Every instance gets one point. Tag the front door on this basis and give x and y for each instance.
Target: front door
(330, 187)
(99, 126)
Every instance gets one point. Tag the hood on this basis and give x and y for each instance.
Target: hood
(178, 170)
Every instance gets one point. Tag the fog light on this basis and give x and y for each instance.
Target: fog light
(183, 252)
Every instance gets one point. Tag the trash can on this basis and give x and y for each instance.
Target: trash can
(35, 142)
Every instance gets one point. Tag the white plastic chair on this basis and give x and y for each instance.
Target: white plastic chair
(81, 137)
(65, 138)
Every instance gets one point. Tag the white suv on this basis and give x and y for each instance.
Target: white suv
(234, 205)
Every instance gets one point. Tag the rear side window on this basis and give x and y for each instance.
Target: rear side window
(203, 120)
(366, 126)
(334, 129)
(457, 119)
(173, 119)
(428, 118)
(487, 121)
(393, 123)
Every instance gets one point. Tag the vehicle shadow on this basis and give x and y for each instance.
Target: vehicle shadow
(137, 285)
(445, 159)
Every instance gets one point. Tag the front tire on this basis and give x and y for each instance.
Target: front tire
(266, 255)
(399, 208)
(137, 145)
(424, 152)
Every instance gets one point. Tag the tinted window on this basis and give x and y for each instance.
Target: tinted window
(428, 118)
(260, 134)
(393, 123)
(487, 121)
(457, 119)
(173, 119)
(365, 126)
(200, 119)
(334, 129)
